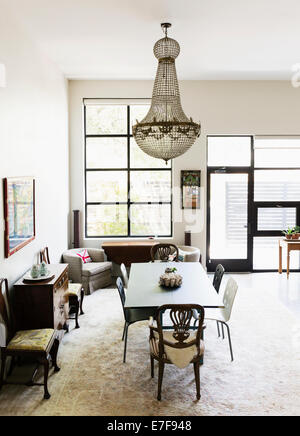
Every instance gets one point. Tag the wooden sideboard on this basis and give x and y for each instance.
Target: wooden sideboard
(128, 252)
(42, 304)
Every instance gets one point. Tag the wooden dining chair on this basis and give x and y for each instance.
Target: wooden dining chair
(186, 342)
(124, 275)
(163, 252)
(74, 294)
(40, 345)
(130, 315)
(44, 255)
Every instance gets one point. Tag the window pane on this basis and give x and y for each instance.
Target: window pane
(150, 220)
(277, 185)
(106, 152)
(107, 220)
(228, 216)
(150, 186)
(139, 159)
(138, 112)
(106, 186)
(105, 119)
(274, 218)
(277, 152)
(229, 151)
(265, 254)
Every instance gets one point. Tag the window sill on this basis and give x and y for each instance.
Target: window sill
(128, 238)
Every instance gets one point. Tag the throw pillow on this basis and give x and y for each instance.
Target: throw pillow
(84, 256)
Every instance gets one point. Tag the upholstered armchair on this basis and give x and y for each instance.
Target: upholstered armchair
(93, 275)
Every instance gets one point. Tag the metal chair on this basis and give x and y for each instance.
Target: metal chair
(163, 251)
(124, 275)
(218, 276)
(130, 315)
(220, 270)
(222, 316)
(179, 337)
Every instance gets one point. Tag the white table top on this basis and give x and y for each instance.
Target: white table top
(144, 290)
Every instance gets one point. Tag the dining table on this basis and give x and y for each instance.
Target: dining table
(144, 291)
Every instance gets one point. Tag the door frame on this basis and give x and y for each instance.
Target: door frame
(233, 265)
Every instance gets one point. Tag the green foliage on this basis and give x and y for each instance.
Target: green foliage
(291, 230)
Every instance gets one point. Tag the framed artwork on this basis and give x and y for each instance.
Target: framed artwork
(19, 213)
(190, 189)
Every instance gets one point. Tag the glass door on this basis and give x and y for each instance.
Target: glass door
(228, 228)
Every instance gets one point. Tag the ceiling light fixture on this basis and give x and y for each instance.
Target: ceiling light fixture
(166, 132)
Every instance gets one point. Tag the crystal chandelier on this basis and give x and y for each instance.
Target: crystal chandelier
(166, 132)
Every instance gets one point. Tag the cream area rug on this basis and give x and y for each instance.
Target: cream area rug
(264, 379)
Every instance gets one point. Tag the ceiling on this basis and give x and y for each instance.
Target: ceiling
(219, 39)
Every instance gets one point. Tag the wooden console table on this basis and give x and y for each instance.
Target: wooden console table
(291, 245)
(42, 304)
(128, 252)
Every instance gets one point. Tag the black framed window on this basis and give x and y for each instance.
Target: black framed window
(276, 197)
(127, 192)
(253, 193)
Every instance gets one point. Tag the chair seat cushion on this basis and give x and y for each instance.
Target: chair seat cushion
(31, 340)
(180, 357)
(74, 289)
(91, 269)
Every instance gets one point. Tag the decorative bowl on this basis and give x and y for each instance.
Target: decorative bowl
(170, 280)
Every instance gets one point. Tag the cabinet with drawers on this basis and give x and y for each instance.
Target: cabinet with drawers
(42, 304)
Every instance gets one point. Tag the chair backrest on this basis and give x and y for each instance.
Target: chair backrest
(229, 297)
(163, 251)
(44, 255)
(218, 277)
(4, 307)
(124, 275)
(181, 316)
(121, 291)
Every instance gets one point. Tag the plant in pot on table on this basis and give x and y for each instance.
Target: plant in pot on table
(296, 233)
(292, 232)
(288, 233)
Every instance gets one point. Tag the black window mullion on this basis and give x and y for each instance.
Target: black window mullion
(128, 172)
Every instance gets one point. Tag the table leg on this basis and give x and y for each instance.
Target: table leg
(280, 259)
(288, 262)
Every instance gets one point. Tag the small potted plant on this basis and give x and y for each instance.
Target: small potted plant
(296, 232)
(288, 233)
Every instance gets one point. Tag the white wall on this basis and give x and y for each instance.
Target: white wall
(223, 107)
(33, 141)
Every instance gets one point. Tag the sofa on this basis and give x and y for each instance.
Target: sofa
(94, 275)
(189, 254)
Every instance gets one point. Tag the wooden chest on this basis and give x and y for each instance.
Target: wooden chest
(42, 305)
